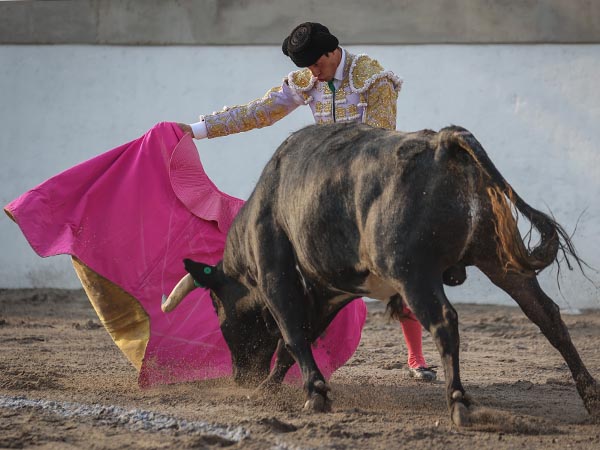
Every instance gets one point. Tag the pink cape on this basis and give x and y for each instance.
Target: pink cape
(131, 215)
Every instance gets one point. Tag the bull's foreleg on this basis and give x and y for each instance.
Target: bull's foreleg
(284, 295)
(290, 314)
(284, 360)
(283, 363)
(429, 303)
(542, 311)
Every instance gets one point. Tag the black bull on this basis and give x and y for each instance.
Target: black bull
(346, 210)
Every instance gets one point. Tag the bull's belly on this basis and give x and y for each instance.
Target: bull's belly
(372, 287)
(375, 287)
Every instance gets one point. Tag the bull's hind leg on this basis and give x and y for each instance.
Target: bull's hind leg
(427, 300)
(542, 311)
(284, 295)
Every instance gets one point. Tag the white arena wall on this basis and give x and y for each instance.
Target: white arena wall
(535, 108)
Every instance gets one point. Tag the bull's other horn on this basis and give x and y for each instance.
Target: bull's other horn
(183, 288)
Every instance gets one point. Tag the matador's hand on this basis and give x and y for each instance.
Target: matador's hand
(186, 128)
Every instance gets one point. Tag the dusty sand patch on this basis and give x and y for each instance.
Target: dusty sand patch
(53, 350)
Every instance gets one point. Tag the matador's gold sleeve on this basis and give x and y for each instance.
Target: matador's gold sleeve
(273, 106)
(381, 101)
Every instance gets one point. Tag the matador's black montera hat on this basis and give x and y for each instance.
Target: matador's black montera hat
(308, 42)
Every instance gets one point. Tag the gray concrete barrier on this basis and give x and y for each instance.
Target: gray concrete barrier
(240, 22)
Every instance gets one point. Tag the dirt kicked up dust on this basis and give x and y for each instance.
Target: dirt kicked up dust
(64, 384)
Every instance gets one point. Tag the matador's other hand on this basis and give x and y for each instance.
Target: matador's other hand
(186, 128)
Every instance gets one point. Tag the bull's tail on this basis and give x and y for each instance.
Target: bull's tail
(514, 253)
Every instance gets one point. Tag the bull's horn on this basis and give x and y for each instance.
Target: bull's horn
(183, 288)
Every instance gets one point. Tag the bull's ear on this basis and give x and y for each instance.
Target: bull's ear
(204, 275)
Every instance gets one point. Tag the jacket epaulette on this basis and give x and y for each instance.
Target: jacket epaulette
(364, 71)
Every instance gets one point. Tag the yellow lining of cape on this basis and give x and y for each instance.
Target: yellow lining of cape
(120, 313)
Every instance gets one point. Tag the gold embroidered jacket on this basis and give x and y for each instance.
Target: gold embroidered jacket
(367, 94)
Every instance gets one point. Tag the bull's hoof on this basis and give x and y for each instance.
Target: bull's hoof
(268, 385)
(459, 411)
(266, 389)
(460, 415)
(591, 401)
(318, 400)
(317, 403)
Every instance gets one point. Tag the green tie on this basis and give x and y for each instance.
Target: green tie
(332, 88)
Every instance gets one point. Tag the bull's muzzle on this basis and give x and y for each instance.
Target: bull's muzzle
(183, 288)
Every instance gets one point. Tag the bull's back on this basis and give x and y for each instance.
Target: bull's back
(352, 197)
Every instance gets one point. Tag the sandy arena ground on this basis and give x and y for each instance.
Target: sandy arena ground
(64, 384)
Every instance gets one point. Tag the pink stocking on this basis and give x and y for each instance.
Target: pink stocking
(412, 335)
